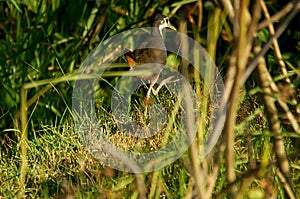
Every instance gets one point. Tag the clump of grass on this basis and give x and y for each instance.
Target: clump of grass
(140, 117)
(59, 166)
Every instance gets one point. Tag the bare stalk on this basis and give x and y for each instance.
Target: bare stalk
(275, 43)
(272, 114)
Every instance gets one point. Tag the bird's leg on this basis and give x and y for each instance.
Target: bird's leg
(147, 100)
(155, 91)
(152, 83)
(164, 82)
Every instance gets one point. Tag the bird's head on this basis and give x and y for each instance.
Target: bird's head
(161, 22)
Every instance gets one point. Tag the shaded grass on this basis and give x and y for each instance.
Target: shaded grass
(60, 166)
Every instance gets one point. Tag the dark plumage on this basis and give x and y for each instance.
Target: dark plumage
(152, 50)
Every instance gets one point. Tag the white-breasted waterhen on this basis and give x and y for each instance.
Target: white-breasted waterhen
(152, 51)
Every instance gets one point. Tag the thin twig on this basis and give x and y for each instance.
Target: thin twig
(213, 176)
(275, 43)
(276, 17)
(245, 176)
(266, 47)
(228, 6)
(285, 184)
(273, 118)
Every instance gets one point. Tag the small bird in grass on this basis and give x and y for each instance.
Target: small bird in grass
(152, 51)
(148, 54)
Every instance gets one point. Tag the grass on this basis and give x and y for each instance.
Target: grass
(41, 47)
(60, 166)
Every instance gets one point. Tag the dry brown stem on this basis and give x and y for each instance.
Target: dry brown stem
(266, 82)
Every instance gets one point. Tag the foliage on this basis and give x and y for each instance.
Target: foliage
(48, 40)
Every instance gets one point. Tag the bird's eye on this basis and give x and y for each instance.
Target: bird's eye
(167, 20)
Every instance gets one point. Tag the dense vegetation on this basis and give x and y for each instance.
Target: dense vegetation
(256, 47)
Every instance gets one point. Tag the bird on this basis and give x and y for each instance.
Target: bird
(152, 51)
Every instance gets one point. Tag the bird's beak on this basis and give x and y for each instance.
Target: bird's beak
(171, 26)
